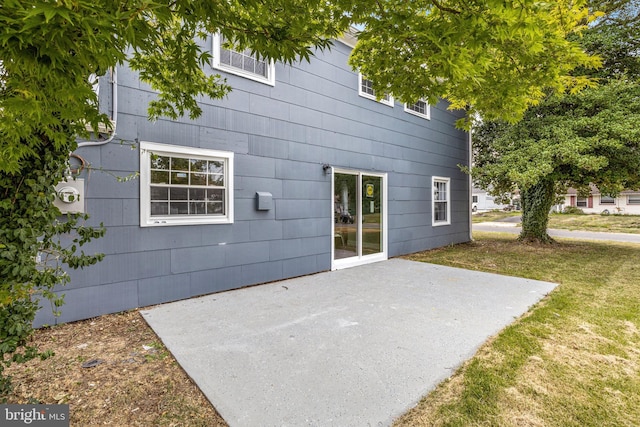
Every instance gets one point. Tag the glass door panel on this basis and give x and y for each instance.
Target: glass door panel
(345, 220)
(372, 215)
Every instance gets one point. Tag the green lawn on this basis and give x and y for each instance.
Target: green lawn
(494, 215)
(573, 360)
(612, 223)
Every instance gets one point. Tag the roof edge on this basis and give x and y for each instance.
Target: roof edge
(349, 37)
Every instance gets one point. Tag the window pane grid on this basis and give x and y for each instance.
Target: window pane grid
(182, 186)
(440, 192)
(367, 87)
(440, 213)
(419, 107)
(243, 60)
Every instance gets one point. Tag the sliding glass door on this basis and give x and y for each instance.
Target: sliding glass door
(359, 218)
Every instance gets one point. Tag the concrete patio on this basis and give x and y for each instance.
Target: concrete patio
(352, 347)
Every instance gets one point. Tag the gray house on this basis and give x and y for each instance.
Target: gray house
(299, 170)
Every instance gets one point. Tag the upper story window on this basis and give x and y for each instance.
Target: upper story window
(441, 204)
(365, 89)
(420, 109)
(242, 63)
(184, 185)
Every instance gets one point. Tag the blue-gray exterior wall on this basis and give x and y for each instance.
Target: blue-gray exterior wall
(281, 136)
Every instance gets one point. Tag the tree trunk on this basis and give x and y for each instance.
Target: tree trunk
(536, 204)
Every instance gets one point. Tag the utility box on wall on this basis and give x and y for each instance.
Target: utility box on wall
(264, 200)
(70, 196)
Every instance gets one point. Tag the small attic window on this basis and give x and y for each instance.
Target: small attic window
(366, 90)
(242, 63)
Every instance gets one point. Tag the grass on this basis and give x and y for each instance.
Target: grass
(592, 222)
(494, 215)
(573, 360)
(612, 223)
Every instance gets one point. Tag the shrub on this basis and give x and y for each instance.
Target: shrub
(573, 210)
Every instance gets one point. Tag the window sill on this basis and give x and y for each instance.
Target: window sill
(415, 113)
(388, 103)
(169, 221)
(240, 73)
(440, 224)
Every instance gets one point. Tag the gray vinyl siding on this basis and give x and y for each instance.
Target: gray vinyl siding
(281, 137)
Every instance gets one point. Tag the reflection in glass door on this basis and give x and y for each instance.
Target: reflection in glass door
(359, 222)
(371, 214)
(345, 215)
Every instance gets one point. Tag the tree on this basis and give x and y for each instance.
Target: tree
(494, 58)
(477, 54)
(572, 140)
(48, 50)
(575, 140)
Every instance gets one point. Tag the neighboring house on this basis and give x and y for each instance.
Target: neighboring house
(299, 170)
(627, 202)
(482, 201)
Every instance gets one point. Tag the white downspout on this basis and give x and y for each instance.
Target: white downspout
(114, 91)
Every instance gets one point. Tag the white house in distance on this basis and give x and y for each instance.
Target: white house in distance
(627, 202)
(482, 201)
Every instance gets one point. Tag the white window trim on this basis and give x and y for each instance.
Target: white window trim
(435, 179)
(217, 45)
(388, 102)
(426, 116)
(362, 259)
(145, 183)
(635, 198)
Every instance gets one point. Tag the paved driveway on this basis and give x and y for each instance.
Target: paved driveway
(352, 347)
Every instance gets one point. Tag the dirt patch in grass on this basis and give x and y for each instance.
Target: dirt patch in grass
(133, 381)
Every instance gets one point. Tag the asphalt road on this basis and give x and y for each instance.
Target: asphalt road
(515, 228)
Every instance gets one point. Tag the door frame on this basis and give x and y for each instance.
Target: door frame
(359, 259)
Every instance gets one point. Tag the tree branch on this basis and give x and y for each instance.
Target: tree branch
(443, 8)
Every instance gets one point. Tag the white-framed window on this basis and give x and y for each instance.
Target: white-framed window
(441, 203)
(365, 89)
(633, 199)
(242, 63)
(420, 108)
(607, 200)
(581, 202)
(184, 185)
